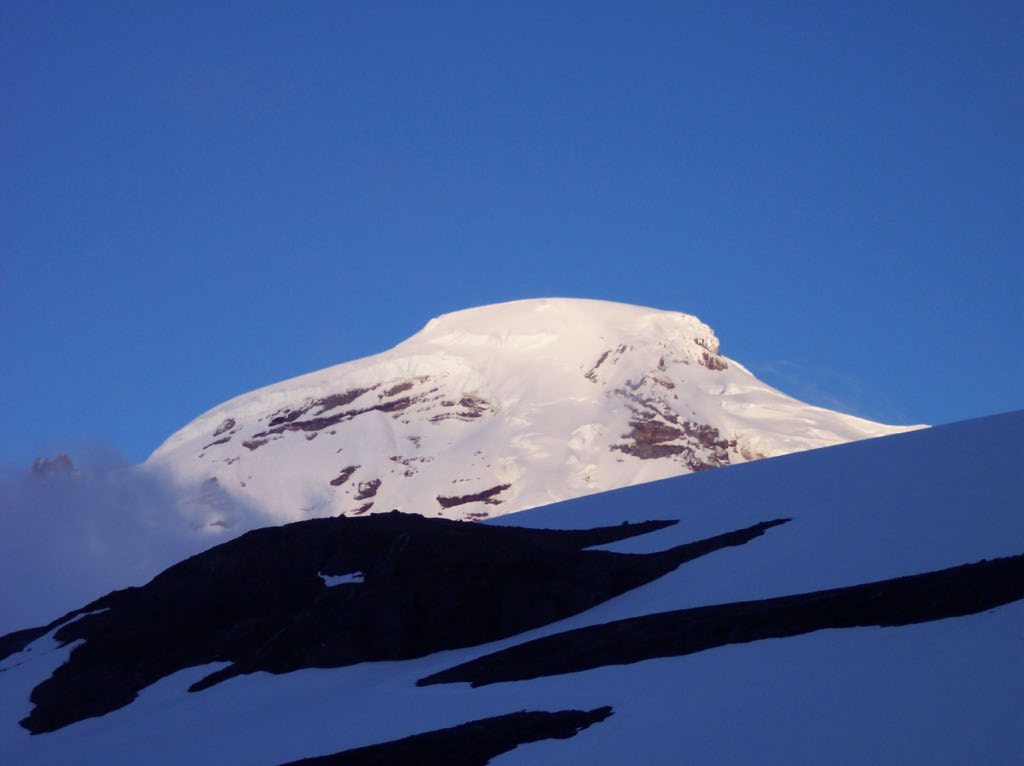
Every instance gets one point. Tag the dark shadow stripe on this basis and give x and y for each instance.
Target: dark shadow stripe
(469, 744)
(954, 592)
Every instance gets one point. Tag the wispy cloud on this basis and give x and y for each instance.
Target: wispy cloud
(824, 386)
(69, 537)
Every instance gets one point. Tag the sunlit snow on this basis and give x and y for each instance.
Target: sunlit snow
(535, 397)
(940, 692)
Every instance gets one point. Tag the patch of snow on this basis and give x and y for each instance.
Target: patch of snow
(345, 579)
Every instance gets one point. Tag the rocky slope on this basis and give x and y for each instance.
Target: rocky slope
(492, 410)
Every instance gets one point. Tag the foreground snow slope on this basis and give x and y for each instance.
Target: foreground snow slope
(942, 692)
(492, 410)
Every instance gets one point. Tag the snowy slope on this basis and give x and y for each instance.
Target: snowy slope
(947, 691)
(489, 411)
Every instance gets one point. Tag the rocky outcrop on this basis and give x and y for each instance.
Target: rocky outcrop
(344, 476)
(699, 446)
(58, 466)
(467, 408)
(484, 496)
(367, 489)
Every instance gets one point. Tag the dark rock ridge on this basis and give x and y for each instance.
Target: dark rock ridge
(322, 413)
(260, 603)
(484, 496)
(470, 408)
(344, 476)
(954, 592)
(367, 489)
(469, 744)
(591, 374)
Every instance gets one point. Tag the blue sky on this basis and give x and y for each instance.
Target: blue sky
(202, 198)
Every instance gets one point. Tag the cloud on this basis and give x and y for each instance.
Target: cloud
(68, 537)
(823, 386)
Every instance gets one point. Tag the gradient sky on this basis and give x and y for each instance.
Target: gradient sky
(198, 199)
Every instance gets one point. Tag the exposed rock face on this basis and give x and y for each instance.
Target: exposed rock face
(57, 466)
(484, 496)
(700, 446)
(367, 489)
(261, 601)
(344, 476)
(547, 399)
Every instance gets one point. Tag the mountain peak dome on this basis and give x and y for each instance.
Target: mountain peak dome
(534, 322)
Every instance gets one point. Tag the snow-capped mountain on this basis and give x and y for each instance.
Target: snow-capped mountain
(492, 410)
(855, 604)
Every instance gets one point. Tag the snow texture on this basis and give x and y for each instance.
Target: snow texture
(941, 692)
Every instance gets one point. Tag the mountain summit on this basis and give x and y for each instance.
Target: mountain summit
(493, 410)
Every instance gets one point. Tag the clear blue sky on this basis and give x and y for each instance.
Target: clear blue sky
(202, 198)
